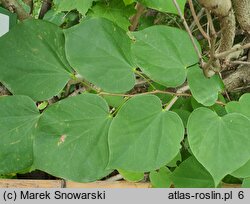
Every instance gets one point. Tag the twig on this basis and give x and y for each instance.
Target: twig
(135, 19)
(199, 16)
(196, 20)
(239, 62)
(45, 7)
(115, 178)
(77, 91)
(30, 4)
(15, 6)
(188, 30)
(178, 93)
(172, 102)
(150, 92)
(207, 67)
(145, 78)
(234, 49)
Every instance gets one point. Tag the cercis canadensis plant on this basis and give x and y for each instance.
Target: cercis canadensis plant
(89, 96)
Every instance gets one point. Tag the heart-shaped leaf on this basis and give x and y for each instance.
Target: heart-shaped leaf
(191, 174)
(164, 5)
(158, 52)
(131, 176)
(115, 11)
(18, 118)
(204, 90)
(177, 159)
(128, 2)
(160, 178)
(100, 52)
(72, 139)
(81, 5)
(142, 136)
(33, 60)
(246, 183)
(221, 144)
(242, 172)
(240, 107)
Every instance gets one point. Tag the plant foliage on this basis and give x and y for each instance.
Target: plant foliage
(112, 125)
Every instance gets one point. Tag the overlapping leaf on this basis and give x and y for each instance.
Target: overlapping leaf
(33, 61)
(143, 137)
(220, 144)
(164, 5)
(115, 11)
(242, 172)
(100, 52)
(160, 178)
(131, 176)
(164, 53)
(72, 139)
(204, 90)
(18, 118)
(191, 174)
(67, 5)
(241, 107)
(246, 183)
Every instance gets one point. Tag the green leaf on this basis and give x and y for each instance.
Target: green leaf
(184, 115)
(220, 144)
(240, 107)
(115, 11)
(219, 109)
(183, 103)
(191, 174)
(246, 183)
(43, 105)
(103, 58)
(24, 5)
(165, 98)
(242, 172)
(114, 101)
(142, 136)
(160, 179)
(72, 139)
(173, 162)
(158, 52)
(81, 5)
(131, 176)
(204, 90)
(164, 5)
(33, 60)
(18, 118)
(55, 17)
(128, 2)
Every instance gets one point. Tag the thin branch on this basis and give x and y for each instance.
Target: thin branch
(30, 4)
(188, 30)
(45, 7)
(150, 92)
(239, 62)
(199, 16)
(180, 92)
(211, 24)
(135, 19)
(207, 67)
(172, 102)
(15, 6)
(196, 20)
(115, 178)
(145, 78)
(234, 49)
